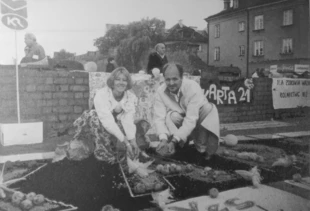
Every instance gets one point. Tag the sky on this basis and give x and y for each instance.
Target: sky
(74, 24)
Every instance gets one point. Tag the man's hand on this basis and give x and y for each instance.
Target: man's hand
(135, 147)
(181, 143)
(162, 144)
(171, 147)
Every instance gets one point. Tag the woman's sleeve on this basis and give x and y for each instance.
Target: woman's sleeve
(129, 117)
(101, 102)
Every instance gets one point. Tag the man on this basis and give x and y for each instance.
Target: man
(110, 66)
(157, 59)
(33, 51)
(182, 111)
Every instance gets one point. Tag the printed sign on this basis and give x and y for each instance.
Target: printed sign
(14, 14)
(301, 68)
(290, 93)
(237, 93)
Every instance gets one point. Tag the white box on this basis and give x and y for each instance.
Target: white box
(21, 134)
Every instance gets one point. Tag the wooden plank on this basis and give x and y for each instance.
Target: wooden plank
(253, 125)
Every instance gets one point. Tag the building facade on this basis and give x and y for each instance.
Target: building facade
(259, 33)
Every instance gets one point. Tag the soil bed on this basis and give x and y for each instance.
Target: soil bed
(88, 184)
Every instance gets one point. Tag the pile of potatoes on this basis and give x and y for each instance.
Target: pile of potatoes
(141, 188)
(26, 201)
(174, 169)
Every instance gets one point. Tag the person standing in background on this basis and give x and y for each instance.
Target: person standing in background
(157, 59)
(33, 51)
(111, 65)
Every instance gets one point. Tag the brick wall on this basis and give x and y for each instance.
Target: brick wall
(55, 97)
(58, 97)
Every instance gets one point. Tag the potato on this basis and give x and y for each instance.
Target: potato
(17, 197)
(26, 204)
(158, 186)
(30, 196)
(149, 186)
(166, 170)
(139, 188)
(173, 165)
(213, 192)
(207, 168)
(189, 168)
(297, 178)
(203, 174)
(226, 153)
(38, 199)
(178, 169)
(260, 159)
(159, 168)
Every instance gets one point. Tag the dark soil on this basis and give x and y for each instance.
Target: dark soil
(87, 184)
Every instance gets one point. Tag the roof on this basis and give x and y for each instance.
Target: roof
(243, 5)
(180, 32)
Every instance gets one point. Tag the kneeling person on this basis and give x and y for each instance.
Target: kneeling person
(181, 112)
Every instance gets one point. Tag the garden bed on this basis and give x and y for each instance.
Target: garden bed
(90, 184)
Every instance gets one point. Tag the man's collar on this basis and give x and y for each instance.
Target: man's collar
(161, 56)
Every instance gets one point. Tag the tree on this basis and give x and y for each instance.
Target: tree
(62, 55)
(132, 41)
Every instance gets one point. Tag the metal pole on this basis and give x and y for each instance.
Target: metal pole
(17, 79)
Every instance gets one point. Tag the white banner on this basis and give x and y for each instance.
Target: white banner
(290, 93)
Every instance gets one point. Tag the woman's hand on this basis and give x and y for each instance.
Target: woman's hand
(129, 149)
(135, 147)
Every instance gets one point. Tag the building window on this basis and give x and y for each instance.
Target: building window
(287, 17)
(241, 50)
(258, 48)
(287, 46)
(236, 4)
(259, 22)
(216, 54)
(241, 26)
(217, 30)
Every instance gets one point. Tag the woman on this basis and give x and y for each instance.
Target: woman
(101, 135)
(108, 129)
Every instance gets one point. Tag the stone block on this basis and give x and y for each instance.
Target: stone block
(79, 88)
(46, 88)
(60, 80)
(52, 102)
(47, 95)
(78, 109)
(41, 103)
(63, 102)
(59, 95)
(63, 117)
(79, 95)
(49, 80)
(78, 80)
(47, 109)
(70, 81)
(63, 88)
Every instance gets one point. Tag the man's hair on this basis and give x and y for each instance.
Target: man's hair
(31, 36)
(157, 45)
(115, 73)
(178, 66)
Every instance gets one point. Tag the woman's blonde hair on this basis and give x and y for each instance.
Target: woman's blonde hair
(115, 73)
